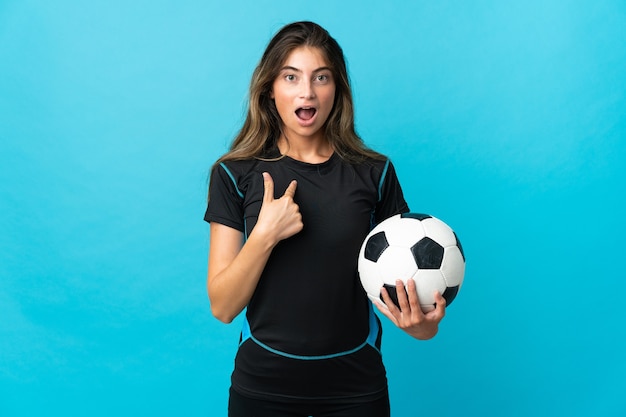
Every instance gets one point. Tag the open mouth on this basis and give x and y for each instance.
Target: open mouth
(306, 113)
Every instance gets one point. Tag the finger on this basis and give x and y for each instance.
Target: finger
(291, 189)
(402, 298)
(414, 301)
(391, 307)
(385, 311)
(440, 308)
(268, 187)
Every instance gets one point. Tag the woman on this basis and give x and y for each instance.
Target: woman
(289, 206)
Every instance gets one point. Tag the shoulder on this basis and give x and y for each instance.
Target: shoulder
(376, 166)
(235, 170)
(242, 166)
(235, 165)
(245, 175)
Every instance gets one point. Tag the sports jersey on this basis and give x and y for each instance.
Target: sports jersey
(309, 330)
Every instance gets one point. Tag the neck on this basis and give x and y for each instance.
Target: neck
(314, 152)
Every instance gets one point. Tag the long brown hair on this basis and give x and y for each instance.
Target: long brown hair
(262, 127)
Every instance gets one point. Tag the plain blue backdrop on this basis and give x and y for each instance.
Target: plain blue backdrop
(505, 119)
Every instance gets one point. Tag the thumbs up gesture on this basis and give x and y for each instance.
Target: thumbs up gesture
(279, 218)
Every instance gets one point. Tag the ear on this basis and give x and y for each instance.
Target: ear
(272, 93)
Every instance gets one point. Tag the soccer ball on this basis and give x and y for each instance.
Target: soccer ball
(417, 246)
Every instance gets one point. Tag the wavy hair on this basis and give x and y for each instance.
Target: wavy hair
(262, 126)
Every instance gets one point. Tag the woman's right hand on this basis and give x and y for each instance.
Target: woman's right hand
(278, 218)
(235, 268)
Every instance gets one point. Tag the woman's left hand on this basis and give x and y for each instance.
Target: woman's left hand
(410, 317)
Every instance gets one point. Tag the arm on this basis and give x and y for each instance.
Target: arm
(410, 317)
(235, 269)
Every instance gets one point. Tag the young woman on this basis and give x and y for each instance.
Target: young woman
(289, 206)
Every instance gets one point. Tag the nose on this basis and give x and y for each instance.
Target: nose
(306, 89)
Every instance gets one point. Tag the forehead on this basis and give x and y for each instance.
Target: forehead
(306, 57)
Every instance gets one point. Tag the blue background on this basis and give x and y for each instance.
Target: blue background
(505, 119)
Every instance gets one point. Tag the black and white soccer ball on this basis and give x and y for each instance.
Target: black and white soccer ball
(417, 246)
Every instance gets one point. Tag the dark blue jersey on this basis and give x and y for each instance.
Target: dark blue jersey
(310, 331)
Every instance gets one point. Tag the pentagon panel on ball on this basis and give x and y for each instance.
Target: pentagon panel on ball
(412, 245)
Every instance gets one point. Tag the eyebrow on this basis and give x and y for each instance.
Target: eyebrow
(290, 68)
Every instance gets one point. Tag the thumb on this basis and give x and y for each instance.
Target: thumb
(268, 187)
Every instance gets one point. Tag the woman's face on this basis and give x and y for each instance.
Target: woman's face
(304, 93)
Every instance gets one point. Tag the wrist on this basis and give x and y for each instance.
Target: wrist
(263, 238)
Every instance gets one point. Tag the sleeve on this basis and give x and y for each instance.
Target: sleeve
(225, 201)
(390, 197)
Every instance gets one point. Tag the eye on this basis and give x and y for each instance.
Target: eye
(290, 77)
(322, 78)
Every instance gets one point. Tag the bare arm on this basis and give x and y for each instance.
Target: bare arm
(235, 267)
